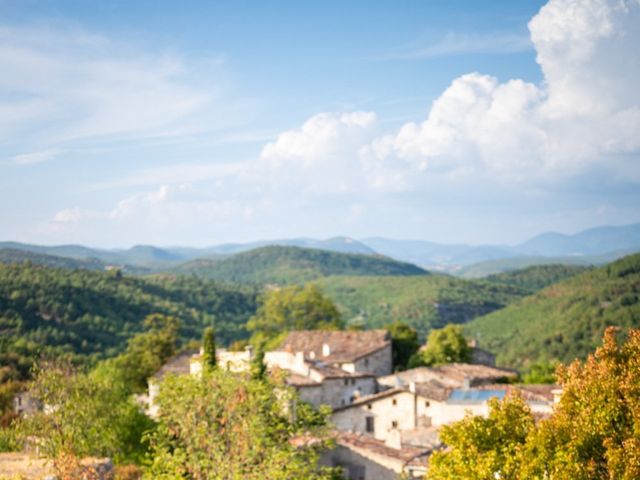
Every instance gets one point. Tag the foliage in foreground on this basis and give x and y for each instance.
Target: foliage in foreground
(225, 426)
(594, 432)
(84, 414)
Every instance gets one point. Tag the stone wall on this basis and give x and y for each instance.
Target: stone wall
(359, 467)
(379, 362)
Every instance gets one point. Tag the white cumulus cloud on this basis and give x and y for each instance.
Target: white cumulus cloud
(585, 113)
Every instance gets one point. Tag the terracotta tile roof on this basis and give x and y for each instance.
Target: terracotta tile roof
(530, 393)
(177, 365)
(453, 375)
(344, 346)
(327, 371)
(433, 390)
(296, 380)
(363, 444)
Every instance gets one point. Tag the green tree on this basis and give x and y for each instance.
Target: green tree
(404, 342)
(594, 432)
(484, 448)
(292, 308)
(591, 435)
(541, 372)
(258, 368)
(148, 351)
(84, 415)
(209, 347)
(444, 345)
(228, 426)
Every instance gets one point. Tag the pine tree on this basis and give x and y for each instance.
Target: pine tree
(209, 347)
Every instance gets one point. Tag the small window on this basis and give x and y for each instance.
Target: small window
(368, 406)
(427, 403)
(369, 424)
(366, 362)
(394, 424)
(353, 381)
(394, 402)
(346, 381)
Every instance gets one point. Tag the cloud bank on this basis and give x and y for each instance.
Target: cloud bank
(582, 119)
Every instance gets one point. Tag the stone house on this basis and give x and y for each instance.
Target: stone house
(25, 404)
(409, 411)
(179, 364)
(333, 368)
(352, 351)
(362, 457)
(454, 375)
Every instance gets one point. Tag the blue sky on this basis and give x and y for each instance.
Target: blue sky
(197, 123)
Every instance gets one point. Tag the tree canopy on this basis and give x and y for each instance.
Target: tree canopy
(593, 432)
(293, 308)
(404, 343)
(224, 425)
(444, 345)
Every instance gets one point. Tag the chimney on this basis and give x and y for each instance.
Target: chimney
(412, 387)
(394, 439)
(466, 383)
(299, 358)
(398, 381)
(326, 350)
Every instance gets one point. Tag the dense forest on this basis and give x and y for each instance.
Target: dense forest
(537, 277)
(423, 302)
(286, 265)
(90, 314)
(565, 320)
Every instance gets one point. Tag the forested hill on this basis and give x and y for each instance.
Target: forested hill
(535, 278)
(12, 255)
(424, 302)
(88, 313)
(284, 265)
(566, 320)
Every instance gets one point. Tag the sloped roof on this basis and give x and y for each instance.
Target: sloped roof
(179, 364)
(530, 393)
(363, 444)
(433, 390)
(452, 375)
(344, 346)
(371, 398)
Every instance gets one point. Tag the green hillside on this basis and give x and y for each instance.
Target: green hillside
(421, 301)
(12, 255)
(565, 320)
(536, 277)
(284, 265)
(491, 267)
(91, 314)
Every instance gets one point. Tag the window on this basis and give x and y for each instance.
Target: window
(394, 424)
(346, 381)
(369, 424)
(366, 362)
(368, 406)
(427, 403)
(394, 402)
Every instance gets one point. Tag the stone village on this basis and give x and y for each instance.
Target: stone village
(386, 423)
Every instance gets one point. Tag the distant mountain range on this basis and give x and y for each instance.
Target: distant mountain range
(590, 247)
